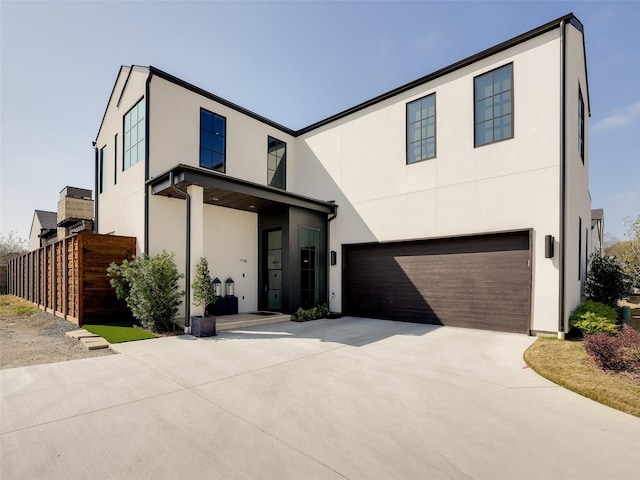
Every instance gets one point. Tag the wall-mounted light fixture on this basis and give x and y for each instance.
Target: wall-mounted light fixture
(334, 257)
(548, 246)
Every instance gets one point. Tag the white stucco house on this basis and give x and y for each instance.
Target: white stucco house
(460, 198)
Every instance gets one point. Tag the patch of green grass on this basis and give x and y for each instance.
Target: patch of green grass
(563, 362)
(12, 305)
(119, 333)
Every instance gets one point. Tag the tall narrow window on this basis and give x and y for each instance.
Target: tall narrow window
(309, 267)
(134, 135)
(212, 141)
(579, 248)
(421, 129)
(115, 159)
(276, 163)
(103, 168)
(493, 95)
(580, 124)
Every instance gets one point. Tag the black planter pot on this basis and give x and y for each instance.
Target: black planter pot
(203, 326)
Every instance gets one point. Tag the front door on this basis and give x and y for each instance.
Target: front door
(272, 281)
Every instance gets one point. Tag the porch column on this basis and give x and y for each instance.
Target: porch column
(196, 193)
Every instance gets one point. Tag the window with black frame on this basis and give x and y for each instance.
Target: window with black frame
(493, 107)
(212, 141)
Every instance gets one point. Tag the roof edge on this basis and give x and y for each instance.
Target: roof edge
(189, 86)
(547, 27)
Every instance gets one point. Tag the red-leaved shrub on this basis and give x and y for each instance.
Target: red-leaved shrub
(618, 353)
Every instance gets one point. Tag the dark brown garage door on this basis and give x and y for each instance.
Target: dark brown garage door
(475, 282)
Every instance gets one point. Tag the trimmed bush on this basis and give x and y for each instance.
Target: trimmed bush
(594, 317)
(313, 313)
(150, 287)
(589, 324)
(618, 353)
(600, 309)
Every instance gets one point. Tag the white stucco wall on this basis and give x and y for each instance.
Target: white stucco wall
(175, 133)
(360, 162)
(121, 204)
(578, 201)
(34, 240)
(229, 242)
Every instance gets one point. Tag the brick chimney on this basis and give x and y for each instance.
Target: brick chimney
(75, 211)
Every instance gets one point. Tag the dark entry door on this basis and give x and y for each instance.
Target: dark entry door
(272, 281)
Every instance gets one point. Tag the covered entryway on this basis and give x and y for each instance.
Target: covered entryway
(479, 281)
(291, 234)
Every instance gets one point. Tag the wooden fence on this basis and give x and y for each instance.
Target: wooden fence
(69, 277)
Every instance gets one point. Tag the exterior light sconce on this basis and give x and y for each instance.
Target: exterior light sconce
(230, 287)
(548, 246)
(217, 286)
(334, 257)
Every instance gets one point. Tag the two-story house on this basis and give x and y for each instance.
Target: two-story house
(460, 198)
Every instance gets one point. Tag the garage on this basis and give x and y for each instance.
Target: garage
(481, 281)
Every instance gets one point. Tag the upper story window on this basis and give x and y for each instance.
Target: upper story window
(580, 124)
(103, 169)
(421, 129)
(493, 96)
(134, 133)
(212, 140)
(276, 163)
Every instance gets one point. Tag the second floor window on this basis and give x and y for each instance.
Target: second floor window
(134, 133)
(421, 129)
(212, 141)
(103, 169)
(580, 124)
(494, 106)
(276, 163)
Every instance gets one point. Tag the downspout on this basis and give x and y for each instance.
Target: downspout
(187, 267)
(95, 213)
(329, 220)
(563, 200)
(146, 163)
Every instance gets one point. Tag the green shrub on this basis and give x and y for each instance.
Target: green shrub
(589, 324)
(607, 281)
(313, 313)
(594, 317)
(600, 309)
(150, 287)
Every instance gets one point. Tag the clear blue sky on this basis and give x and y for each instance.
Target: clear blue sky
(293, 62)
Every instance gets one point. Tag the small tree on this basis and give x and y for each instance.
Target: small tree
(202, 287)
(150, 287)
(606, 281)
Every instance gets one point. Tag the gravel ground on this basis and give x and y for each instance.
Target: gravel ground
(39, 338)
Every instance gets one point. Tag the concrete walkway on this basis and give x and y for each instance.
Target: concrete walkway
(330, 399)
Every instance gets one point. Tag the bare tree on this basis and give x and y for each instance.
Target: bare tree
(11, 245)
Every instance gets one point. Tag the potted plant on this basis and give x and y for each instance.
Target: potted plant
(204, 295)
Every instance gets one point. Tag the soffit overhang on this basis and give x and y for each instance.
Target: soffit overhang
(224, 191)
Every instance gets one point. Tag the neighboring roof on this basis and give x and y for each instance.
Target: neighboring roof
(597, 214)
(47, 219)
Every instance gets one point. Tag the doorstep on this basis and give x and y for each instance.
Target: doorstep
(89, 340)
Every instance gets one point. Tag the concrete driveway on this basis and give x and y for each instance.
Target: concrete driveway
(332, 399)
